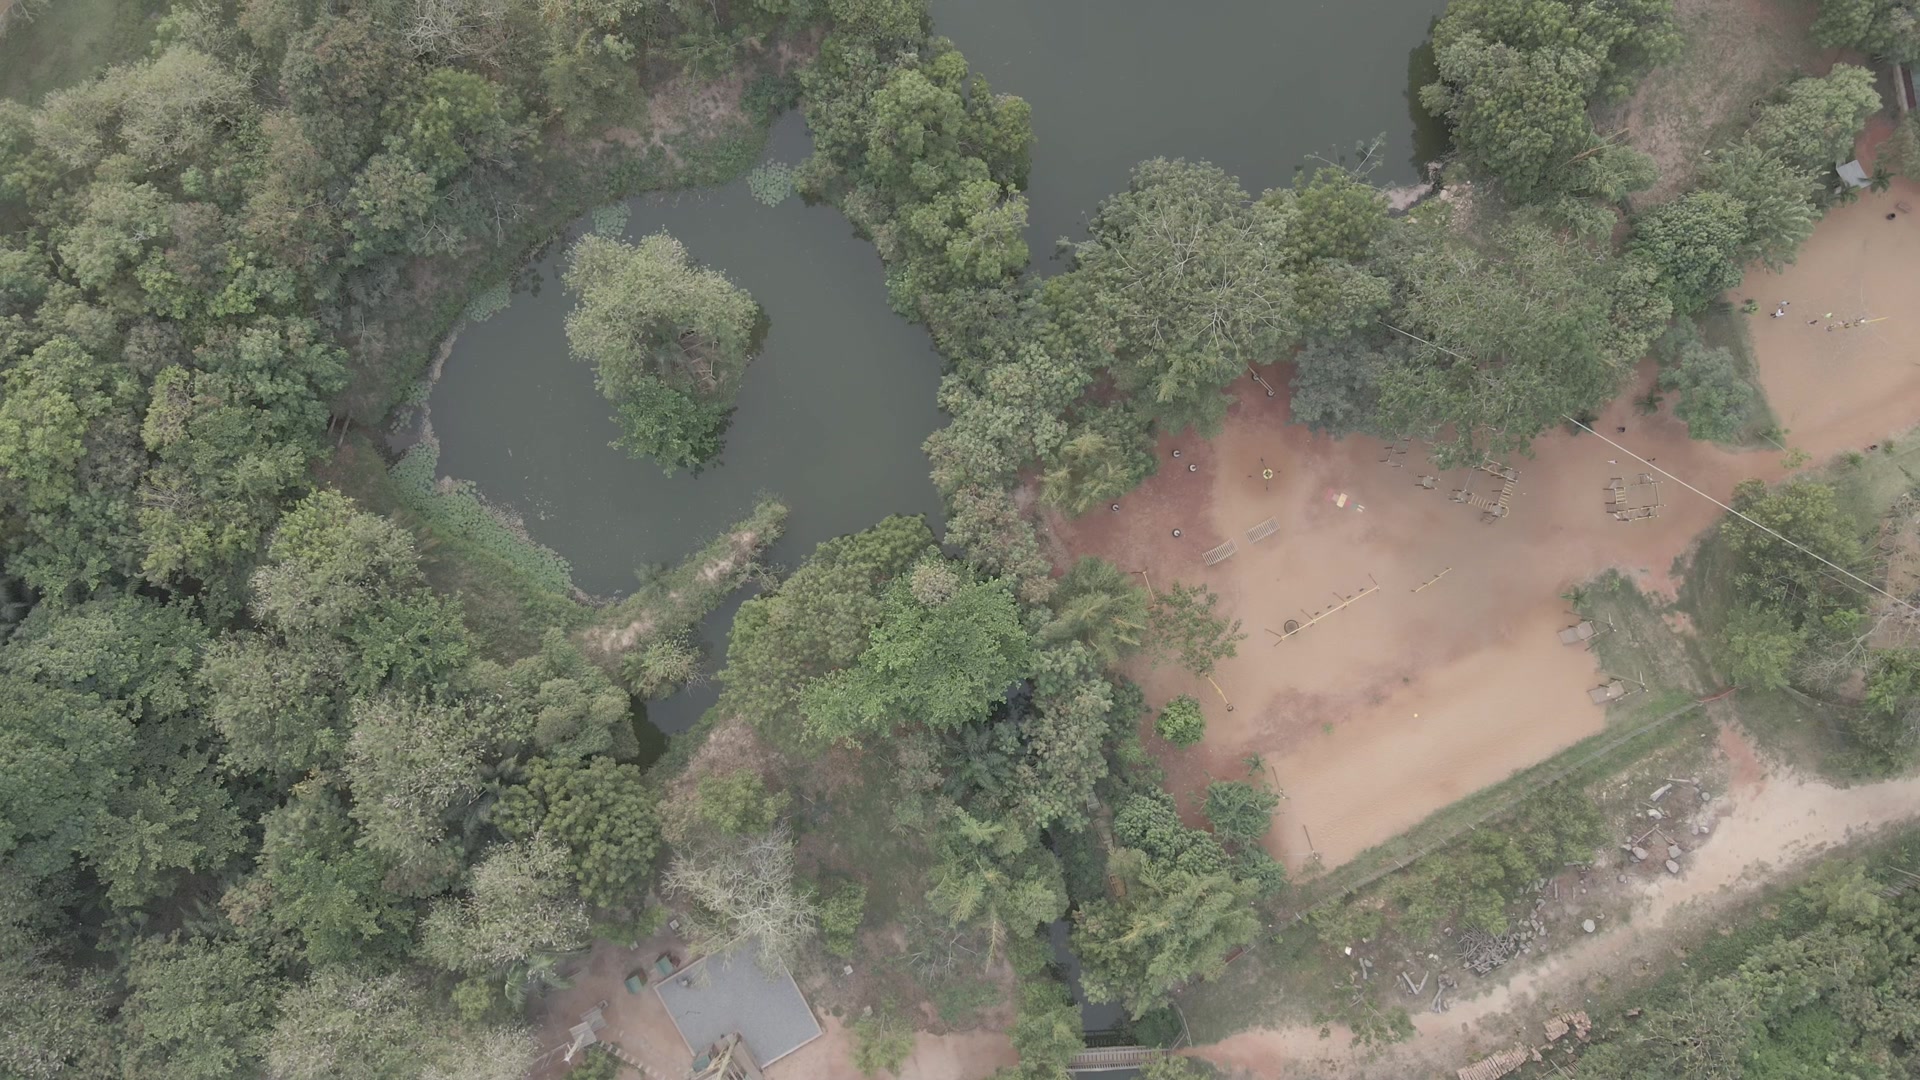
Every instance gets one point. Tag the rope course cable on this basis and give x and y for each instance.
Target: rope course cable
(1829, 563)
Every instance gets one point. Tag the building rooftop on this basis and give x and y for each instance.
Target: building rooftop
(733, 991)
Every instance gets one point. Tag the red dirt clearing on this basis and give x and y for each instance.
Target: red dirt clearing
(1403, 702)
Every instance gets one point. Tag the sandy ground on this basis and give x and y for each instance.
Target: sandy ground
(1404, 701)
(638, 1023)
(1772, 822)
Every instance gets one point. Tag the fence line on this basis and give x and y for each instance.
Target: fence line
(1505, 806)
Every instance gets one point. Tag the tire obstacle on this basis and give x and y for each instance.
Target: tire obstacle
(1295, 626)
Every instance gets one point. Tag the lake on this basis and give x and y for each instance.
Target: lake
(833, 411)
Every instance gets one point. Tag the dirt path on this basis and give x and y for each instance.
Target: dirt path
(964, 1055)
(1404, 701)
(1773, 822)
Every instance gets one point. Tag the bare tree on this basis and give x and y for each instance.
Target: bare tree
(744, 887)
(459, 29)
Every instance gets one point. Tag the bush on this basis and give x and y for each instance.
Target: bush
(1241, 813)
(1715, 399)
(880, 1044)
(770, 95)
(1157, 1027)
(840, 916)
(596, 1064)
(1181, 722)
(959, 1001)
(457, 508)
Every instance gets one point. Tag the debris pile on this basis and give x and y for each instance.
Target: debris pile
(1644, 847)
(1495, 1066)
(1481, 952)
(1576, 1022)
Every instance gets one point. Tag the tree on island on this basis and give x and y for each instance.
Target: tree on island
(668, 340)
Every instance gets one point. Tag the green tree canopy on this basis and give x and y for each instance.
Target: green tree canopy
(1717, 400)
(1240, 812)
(199, 1010)
(1696, 241)
(1184, 283)
(1887, 29)
(603, 814)
(1171, 926)
(946, 649)
(1516, 80)
(521, 905)
(817, 621)
(668, 341)
(1526, 328)
(1098, 603)
(1812, 122)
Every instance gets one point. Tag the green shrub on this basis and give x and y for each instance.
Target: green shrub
(1157, 1027)
(489, 302)
(880, 1044)
(959, 1001)
(769, 95)
(597, 1063)
(1181, 722)
(457, 508)
(840, 916)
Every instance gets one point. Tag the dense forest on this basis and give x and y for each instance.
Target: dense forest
(276, 800)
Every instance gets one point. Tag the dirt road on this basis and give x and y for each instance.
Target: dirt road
(1773, 822)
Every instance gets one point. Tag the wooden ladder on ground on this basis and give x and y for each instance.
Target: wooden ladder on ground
(620, 1052)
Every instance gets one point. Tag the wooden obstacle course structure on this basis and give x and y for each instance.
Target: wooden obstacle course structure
(1610, 691)
(1583, 632)
(1615, 689)
(1257, 533)
(1292, 627)
(1497, 507)
(1636, 501)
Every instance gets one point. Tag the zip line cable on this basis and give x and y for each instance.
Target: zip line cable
(1736, 513)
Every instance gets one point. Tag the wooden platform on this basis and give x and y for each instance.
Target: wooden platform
(1574, 635)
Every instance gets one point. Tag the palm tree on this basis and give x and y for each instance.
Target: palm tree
(1098, 603)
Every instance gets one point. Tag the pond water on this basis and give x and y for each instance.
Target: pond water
(833, 412)
(830, 418)
(1254, 86)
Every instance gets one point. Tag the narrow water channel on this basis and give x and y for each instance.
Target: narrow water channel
(833, 412)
